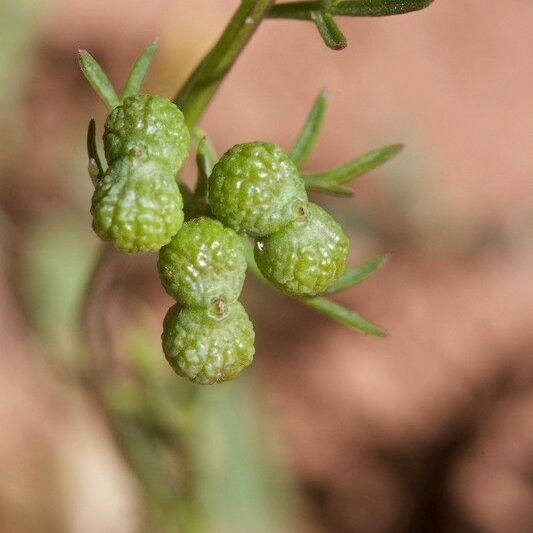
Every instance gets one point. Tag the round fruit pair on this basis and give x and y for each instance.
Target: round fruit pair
(137, 204)
(208, 336)
(256, 189)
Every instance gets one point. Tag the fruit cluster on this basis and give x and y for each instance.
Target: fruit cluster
(207, 336)
(137, 204)
(256, 189)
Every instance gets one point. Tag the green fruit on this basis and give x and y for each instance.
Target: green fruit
(255, 189)
(203, 262)
(147, 127)
(137, 206)
(306, 256)
(207, 347)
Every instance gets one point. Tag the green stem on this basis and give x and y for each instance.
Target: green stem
(295, 10)
(195, 95)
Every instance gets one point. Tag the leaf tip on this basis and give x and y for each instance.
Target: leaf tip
(392, 149)
(386, 258)
(339, 46)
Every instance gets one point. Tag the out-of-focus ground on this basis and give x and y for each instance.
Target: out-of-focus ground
(428, 430)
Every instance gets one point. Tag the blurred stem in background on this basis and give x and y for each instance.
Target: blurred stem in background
(199, 453)
(18, 30)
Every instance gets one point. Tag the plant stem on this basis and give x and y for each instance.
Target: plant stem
(295, 10)
(195, 95)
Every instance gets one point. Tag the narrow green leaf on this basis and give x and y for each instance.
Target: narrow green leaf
(306, 140)
(204, 169)
(92, 168)
(208, 149)
(352, 169)
(329, 31)
(375, 8)
(186, 192)
(344, 316)
(98, 79)
(139, 69)
(333, 190)
(92, 151)
(320, 304)
(356, 275)
(347, 8)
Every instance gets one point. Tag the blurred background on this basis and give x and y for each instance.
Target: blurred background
(430, 429)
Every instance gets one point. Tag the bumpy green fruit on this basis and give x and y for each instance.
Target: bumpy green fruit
(147, 127)
(306, 256)
(137, 206)
(203, 262)
(255, 189)
(205, 347)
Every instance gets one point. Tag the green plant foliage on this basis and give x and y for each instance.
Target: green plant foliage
(356, 275)
(199, 452)
(254, 191)
(98, 79)
(139, 70)
(344, 316)
(322, 13)
(95, 166)
(308, 135)
(329, 31)
(330, 180)
(376, 8)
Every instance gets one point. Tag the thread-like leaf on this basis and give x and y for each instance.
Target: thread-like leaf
(98, 79)
(353, 169)
(208, 150)
(204, 169)
(344, 316)
(329, 31)
(306, 140)
(139, 69)
(92, 151)
(375, 8)
(356, 275)
(320, 304)
(347, 8)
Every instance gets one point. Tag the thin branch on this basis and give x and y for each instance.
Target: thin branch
(195, 95)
